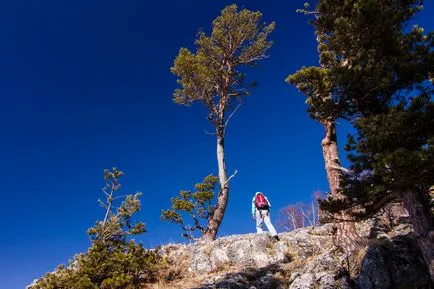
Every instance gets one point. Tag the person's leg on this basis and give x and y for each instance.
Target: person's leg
(268, 223)
(259, 221)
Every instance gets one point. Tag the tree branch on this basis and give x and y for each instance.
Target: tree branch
(339, 168)
(306, 216)
(231, 176)
(229, 117)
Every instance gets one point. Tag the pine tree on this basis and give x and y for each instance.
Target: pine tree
(212, 75)
(325, 106)
(112, 261)
(393, 159)
(381, 71)
(368, 57)
(199, 205)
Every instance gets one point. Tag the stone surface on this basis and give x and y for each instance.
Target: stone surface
(387, 258)
(306, 258)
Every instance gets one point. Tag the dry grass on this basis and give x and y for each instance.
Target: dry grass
(356, 261)
(226, 267)
(271, 248)
(176, 275)
(191, 280)
(207, 249)
(172, 272)
(184, 283)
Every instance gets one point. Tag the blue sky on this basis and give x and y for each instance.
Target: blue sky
(85, 85)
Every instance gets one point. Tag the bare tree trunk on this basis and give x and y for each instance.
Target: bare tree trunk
(346, 234)
(314, 217)
(293, 218)
(222, 199)
(421, 218)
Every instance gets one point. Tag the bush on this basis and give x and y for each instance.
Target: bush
(111, 262)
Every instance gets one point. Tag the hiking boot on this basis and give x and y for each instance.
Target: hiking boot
(277, 238)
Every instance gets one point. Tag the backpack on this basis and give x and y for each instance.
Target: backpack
(260, 202)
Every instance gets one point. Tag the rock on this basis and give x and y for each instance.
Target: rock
(303, 259)
(305, 281)
(395, 263)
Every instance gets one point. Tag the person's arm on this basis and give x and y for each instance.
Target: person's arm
(253, 207)
(269, 204)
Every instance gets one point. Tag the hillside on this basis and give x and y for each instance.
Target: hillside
(304, 258)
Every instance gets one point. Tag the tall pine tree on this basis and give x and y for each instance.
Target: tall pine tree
(370, 61)
(325, 106)
(380, 69)
(213, 77)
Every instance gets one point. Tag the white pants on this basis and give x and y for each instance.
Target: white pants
(263, 216)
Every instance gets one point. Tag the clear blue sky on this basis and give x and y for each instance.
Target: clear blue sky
(85, 85)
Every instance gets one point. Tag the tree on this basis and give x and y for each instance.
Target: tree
(393, 159)
(324, 106)
(112, 261)
(291, 218)
(199, 205)
(212, 75)
(300, 215)
(116, 225)
(368, 55)
(381, 73)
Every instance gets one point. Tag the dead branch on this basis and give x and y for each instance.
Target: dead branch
(307, 216)
(231, 176)
(229, 117)
(345, 170)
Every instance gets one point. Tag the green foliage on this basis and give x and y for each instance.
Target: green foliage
(112, 261)
(379, 70)
(214, 76)
(116, 225)
(125, 266)
(367, 54)
(374, 71)
(316, 85)
(393, 152)
(198, 205)
(211, 75)
(371, 54)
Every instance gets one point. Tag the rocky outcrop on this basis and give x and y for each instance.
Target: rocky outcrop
(387, 258)
(302, 259)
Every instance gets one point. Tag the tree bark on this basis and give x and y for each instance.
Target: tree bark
(346, 235)
(222, 199)
(421, 218)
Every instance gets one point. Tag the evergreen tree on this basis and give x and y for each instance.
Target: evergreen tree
(370, 52)
(325, 106)
(380, 71)
(116, 225)
(112, 261)
(212, 75)
(368, 56)
(199, 205)
(393, 159)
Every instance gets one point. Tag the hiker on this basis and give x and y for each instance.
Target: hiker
(261, 213)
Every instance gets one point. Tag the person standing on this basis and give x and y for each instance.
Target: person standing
(261, 213)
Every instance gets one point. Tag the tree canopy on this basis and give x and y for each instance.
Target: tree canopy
(212, 75)
(112, 261)
(198, 204)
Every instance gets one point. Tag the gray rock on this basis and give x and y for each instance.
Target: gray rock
(395, 263)
(302, 259)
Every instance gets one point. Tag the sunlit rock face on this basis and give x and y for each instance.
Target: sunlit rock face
(302, 259)
(387, 257)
